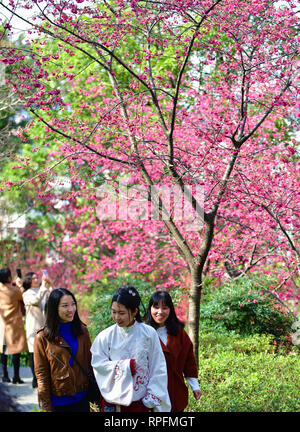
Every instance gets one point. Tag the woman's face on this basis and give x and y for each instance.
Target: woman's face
(66, 308)
(160, 313)
(35, 283)
(122, 316)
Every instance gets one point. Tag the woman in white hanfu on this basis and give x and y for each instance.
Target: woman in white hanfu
(128, 361)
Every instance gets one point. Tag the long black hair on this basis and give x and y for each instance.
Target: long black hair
(129, 297)
(27, 281)
(52, 317)
(172, 323)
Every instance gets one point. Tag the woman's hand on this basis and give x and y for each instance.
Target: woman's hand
(197, 394)
(47, 282)
(19, 284)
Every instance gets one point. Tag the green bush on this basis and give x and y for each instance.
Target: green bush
(245, 375)
(238, 307)
(213, 343)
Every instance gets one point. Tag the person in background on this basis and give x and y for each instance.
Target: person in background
(62, 385)
(128, 361)
(13, 336)
(33, 295)
(177, 348)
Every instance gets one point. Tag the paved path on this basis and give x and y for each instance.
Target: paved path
(24, 395)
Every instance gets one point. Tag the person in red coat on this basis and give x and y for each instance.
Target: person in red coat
(177, 348)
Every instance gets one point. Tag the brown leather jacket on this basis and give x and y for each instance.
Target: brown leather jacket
(52, 368)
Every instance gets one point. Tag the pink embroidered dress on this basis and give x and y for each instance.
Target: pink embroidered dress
(112, 351)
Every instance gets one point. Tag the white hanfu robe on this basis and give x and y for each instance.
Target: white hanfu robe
(112, 351)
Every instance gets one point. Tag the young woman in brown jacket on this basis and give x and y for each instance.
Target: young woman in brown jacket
(62, 385)
(177, 348)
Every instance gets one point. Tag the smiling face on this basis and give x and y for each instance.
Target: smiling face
(66, 308)
(122, 316)
(160, 313)
(35, 283)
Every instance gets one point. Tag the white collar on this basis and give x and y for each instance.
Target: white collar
(127, 330)
(162, 329)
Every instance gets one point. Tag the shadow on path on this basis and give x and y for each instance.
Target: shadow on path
(23, 394)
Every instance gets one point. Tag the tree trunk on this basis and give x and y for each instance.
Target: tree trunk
(196, 269)
(194, 307)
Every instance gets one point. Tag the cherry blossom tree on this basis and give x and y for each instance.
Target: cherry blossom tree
(194, 95)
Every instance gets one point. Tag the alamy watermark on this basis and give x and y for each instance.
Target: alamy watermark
(159, 202)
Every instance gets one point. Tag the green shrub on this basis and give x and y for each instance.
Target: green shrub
(245, 375)
(238, 307)
(213, 343)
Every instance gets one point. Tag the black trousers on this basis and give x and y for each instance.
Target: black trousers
(32, 364)
(81, 406)
(16, 364)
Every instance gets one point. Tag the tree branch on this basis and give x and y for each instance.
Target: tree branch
(291, 242)
(69, 137)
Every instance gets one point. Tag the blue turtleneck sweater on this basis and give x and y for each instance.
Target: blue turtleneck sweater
(66, 333)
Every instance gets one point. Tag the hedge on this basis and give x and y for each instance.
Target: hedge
(246, 375)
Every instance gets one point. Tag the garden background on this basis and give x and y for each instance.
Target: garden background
(104, 103)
